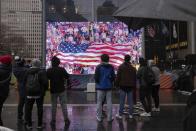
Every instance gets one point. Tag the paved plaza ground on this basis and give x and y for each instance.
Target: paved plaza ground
(82, 111)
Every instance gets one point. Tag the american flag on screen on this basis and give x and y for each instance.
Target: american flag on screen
(89, 54)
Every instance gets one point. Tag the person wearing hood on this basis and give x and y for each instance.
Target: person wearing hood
(145, 89)
(5, 77)
(19, 71)
(104, 79)
(126, 81)
(58, 76)
(156, 85)
(36, 83)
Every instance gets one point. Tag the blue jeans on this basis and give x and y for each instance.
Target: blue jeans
(63, 101)
(129, 100)
(100, 98)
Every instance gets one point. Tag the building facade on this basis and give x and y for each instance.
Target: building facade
(24, 19)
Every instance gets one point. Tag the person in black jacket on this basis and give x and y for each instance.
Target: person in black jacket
(35, 91)
(19, 71)
(58, 76)
(126, 81)
(145, 89)
(5, 77)
(190, 114)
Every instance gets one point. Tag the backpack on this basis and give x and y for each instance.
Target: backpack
(149, 76)
(33, 85)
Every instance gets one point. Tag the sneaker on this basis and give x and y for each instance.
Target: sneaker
(145, 114)
(40, 127)
(98, 119)
(135, 113)
(29, 127)
(156, 109)
(125, 112)
(130, 117)
(118, 116)
(140, 108)
(139, 103)
(135, 106)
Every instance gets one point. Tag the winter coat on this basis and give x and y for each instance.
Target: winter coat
(57, 76)
(42, 77)
(140, 76)
(5, 77)
(104, 76)
(126, 77)
(19, 73)
(156, 71)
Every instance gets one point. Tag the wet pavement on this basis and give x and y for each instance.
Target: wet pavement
(167, 96)
(82, 111)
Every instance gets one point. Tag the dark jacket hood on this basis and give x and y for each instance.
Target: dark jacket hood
(107, 65)
(5, 67)
(33, 70)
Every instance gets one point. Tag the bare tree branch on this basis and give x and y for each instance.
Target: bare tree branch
(12, 43)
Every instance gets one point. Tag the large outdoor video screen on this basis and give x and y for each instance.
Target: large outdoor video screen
(80, 44)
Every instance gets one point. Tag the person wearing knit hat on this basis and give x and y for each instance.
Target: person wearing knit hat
(5, 77)
(6, 59)
(16, 58)
(36, 83)
(36, 63)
